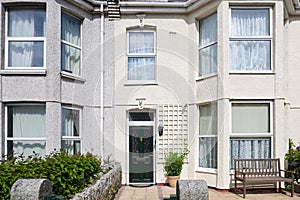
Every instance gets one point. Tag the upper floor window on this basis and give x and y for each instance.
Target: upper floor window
(250, 39)
(208, 52)
(25, 41)
(141, 55)
(70, 44)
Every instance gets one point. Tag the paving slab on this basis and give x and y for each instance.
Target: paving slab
(160, 192)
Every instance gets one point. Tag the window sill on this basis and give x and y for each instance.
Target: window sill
(206, 170)
(71, 76)
(23, 72)
(252, 73)
(206, 77)
(140, 83)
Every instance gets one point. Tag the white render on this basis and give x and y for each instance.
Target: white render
(176, 84)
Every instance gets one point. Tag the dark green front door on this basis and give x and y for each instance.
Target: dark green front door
(141, 154)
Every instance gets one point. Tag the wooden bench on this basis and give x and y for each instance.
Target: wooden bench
(260, 171)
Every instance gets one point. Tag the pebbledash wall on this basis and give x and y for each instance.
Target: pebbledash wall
(55, 88)
(198, 112)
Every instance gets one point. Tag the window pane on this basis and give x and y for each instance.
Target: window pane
(141, 116)
(250, 118)
(70, 29)
(250, 55)
(249, 148)
(208, 152)
(208, 119)
(26, 148)
(208, 60)
(208, 30)
(26, 54)
(70, 59)
(71, 146)
(141, 68)
(141, 42)
(70, 122)
(250, 22)
(26, 121)
(26, 22)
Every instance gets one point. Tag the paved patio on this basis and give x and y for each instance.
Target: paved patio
(160, 192)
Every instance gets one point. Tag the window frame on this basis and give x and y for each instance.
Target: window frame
(252, 38)
(207, 46)
(66, 72)
(205, 169)
(253, 135)
(6, 119)
(141, 55)
(9, 39)
(72, 138)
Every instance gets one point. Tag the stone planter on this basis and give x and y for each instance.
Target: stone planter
(172, 180)
(297, 187)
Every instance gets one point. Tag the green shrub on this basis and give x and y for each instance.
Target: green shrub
(174, 162)
(68, 174)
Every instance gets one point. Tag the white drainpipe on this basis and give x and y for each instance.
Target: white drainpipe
(102, 81)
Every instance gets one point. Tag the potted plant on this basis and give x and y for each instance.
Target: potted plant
(292, 158)
(173, 166)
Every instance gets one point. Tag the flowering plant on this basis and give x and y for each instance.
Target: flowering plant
(293, 159)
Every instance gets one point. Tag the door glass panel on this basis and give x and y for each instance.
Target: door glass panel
(141, 154)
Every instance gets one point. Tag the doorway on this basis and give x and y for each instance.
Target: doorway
(141, 148)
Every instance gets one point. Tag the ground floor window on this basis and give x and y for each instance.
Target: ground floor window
(26, 132)
(71, 130)
(208, 136)
(251, 133)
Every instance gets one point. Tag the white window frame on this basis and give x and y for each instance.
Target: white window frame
(205, 169)
(253, 38)
(73, 138)
(142, 55)
(21, 138)
(253, 135)
(65, 72)
(24, 39)
(206, 46)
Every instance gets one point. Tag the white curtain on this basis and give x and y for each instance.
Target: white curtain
(141, 68)
(26, 23)
(70, 122)
(28, 121)
(208, 136)
(249, 148)
(71, 146)
(208, 54)
(141, 42)
(70, 32)
(250, 54)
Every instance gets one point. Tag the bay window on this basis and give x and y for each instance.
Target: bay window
(71, 130)
(141, 55)
(208, 52)
(25, 40)
(251, 133)
(208, 139)
(70, 44)
(26, 131)
(250, 39)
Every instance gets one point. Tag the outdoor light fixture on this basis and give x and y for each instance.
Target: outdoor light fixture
(160, 129)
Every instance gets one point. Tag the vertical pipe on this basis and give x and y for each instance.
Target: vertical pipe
(102, 81)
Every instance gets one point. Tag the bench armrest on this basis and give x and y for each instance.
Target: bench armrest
(239, 173)
(288, 172)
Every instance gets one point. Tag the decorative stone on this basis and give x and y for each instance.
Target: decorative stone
(30, 189)
(106, 187)
(192, 190)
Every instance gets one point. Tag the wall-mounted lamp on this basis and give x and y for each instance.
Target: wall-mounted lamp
(160, 129)
(141, 20)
